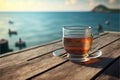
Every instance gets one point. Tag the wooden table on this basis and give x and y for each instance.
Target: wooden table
(38, 63)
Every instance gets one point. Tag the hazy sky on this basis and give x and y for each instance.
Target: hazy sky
(55, 5)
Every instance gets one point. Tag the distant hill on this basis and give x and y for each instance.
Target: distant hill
(102, 8)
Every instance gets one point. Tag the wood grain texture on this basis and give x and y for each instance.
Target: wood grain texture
(40, 64)
(73, 71)
(25, 55)
(112, 72)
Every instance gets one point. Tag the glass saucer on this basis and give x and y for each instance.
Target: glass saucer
(60, 52)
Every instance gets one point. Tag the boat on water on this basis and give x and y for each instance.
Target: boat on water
(107, 22)
(20, 43)
(10, 22)
(10, 32)
(4, 46)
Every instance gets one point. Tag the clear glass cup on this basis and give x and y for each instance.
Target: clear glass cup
(78, 43)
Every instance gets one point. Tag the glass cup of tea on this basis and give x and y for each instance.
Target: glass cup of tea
(78, 43)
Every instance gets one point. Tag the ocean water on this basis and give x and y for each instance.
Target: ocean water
(38, 28)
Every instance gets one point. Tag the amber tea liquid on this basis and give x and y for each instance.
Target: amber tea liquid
(77, 44)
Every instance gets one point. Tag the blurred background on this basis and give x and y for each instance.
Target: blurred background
(28, 23)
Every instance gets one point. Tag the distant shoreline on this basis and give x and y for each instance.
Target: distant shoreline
(102, 8)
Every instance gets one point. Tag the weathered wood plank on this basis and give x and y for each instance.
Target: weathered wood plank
(26, 55)
(25, 69)
(114, 32)
(30, 68)
(18, 57)
(112, 72)
(73, 71)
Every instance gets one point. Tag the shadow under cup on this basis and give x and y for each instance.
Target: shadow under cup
(77, 42)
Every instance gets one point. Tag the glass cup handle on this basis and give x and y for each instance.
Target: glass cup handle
(94, 52)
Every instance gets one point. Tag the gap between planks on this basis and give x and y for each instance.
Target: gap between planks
(67, 60)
